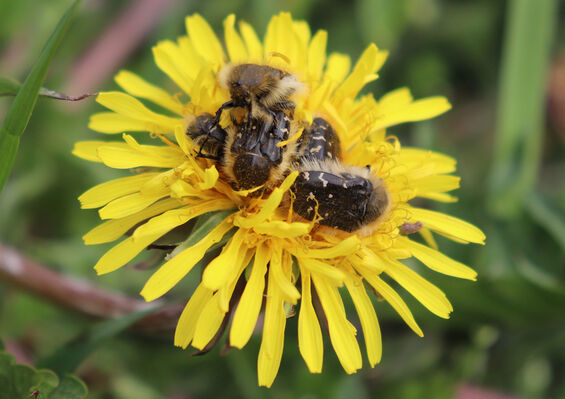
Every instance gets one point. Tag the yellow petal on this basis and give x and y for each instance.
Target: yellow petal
(225, 292)
(210, 178)
(282, 229)
(126, 250)
(120, 156)
(171, 60)
(394, 300)
(103, 193)
(317, 55)
(342, 334)
(234, 44)
(129, 106)
(415, 157)
(425, 292)
(269, 206)
(328, 271)
(208, 323)
(189, 317)
(310, 340)
(449, 225)
(221, 269)
(401, 111)
(111, 122)
(437, 261)
(113, 229)
(138, 87)
(338, 67)
(252, 42)
(204, 40)
(170, 273)
(363, 72)
(344, 248)
(245, 317)
(282, 279)
(272, 343)
(88, 150)
(368, 318)
(129, 204)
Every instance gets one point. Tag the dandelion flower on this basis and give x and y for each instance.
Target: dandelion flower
(270, 258)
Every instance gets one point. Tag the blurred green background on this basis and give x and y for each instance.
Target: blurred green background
(500, 63)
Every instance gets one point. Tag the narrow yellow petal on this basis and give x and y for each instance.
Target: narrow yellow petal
(363, 72)
(425, 292)
(204, 39)
(368, 318)
(170, 59)
(438, 183)
(103, 193)
(344, 248)
(88, 150)
(272, 342)
(419, 110)
(127, 249)
(328, 271)
(449, 225)
(208, 323)
(342, 335)
(415, 157)
(218, 272)
(338, 67)
(111, 122)
(138, 87)
(310, 340)
(189, 317)
(282, 229)
(225, 292)
(252, 42)
(269, 206)
(129, 106)
(120, 156)
(317, 55)
(129, 204)
(210, 178)
(247, 312)
(113, 229)
(171, 272)
(437, 261)
(390, 295)
(287, 288)
(234, 44)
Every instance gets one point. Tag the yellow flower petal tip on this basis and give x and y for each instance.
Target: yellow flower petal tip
(277, 201)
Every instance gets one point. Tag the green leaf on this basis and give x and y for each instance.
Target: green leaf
(70, 388)
(71, 355)
(521, 103)
(20, 111)
(22, 381)
(46, 382)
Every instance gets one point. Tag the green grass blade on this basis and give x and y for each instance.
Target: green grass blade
(548, 216)
(521, 103)
(20, 111)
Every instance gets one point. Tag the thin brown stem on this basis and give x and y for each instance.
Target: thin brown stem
(77, 295)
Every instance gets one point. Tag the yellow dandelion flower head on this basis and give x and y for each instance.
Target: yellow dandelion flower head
(269, 249)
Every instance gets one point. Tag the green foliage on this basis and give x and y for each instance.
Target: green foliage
(20, 381)
(19, 113)
(72, 354)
